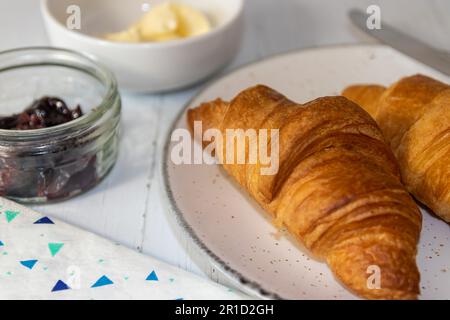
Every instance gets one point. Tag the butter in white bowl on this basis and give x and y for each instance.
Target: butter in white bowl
(142, 60)
(165, 22)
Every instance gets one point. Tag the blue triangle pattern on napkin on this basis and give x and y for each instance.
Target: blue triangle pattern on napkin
(103, 281)
(44, 220)
(54, 248)
(28, 263)
(11, 215)
(152, 276)
(60, 286)
(1, 244)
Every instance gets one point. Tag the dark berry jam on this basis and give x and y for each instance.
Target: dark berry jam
(43, 113)
(64, 171)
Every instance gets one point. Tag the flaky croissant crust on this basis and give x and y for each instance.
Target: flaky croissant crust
(337, 190)
(414, 115)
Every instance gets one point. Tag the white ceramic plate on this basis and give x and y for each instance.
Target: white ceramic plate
(236, 235)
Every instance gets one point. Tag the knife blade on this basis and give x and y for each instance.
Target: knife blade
(404, 43)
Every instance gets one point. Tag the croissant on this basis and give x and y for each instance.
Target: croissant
(414, 115)
(337, 189)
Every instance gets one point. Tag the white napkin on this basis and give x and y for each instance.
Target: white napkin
(43, 258)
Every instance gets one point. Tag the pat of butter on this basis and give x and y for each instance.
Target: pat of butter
(164, 22)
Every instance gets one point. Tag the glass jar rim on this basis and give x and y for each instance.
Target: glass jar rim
(108, 80)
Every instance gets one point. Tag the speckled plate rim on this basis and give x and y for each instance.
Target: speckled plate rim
(175, 214)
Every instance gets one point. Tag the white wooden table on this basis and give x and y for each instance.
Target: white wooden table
(127, 206)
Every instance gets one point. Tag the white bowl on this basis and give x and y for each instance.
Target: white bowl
(147, 67)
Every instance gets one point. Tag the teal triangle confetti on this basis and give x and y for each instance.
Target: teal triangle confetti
(28, 263)
(1, 244)
(59, 286)
(102, 281)
(152, 276)
(44, 220)
(11, 215)
(55, 247)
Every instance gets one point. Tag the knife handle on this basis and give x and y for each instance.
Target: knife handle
(445, 55)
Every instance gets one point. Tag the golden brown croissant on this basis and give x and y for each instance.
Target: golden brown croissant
(337, 190)
(414, 115)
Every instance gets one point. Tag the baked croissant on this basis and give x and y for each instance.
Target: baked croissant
(337, 190)
(414, 115)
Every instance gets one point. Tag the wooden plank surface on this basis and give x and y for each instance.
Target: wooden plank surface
(127, 206)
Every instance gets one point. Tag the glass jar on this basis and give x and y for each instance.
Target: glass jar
(59, 162)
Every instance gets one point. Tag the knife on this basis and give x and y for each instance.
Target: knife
(404, 43)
